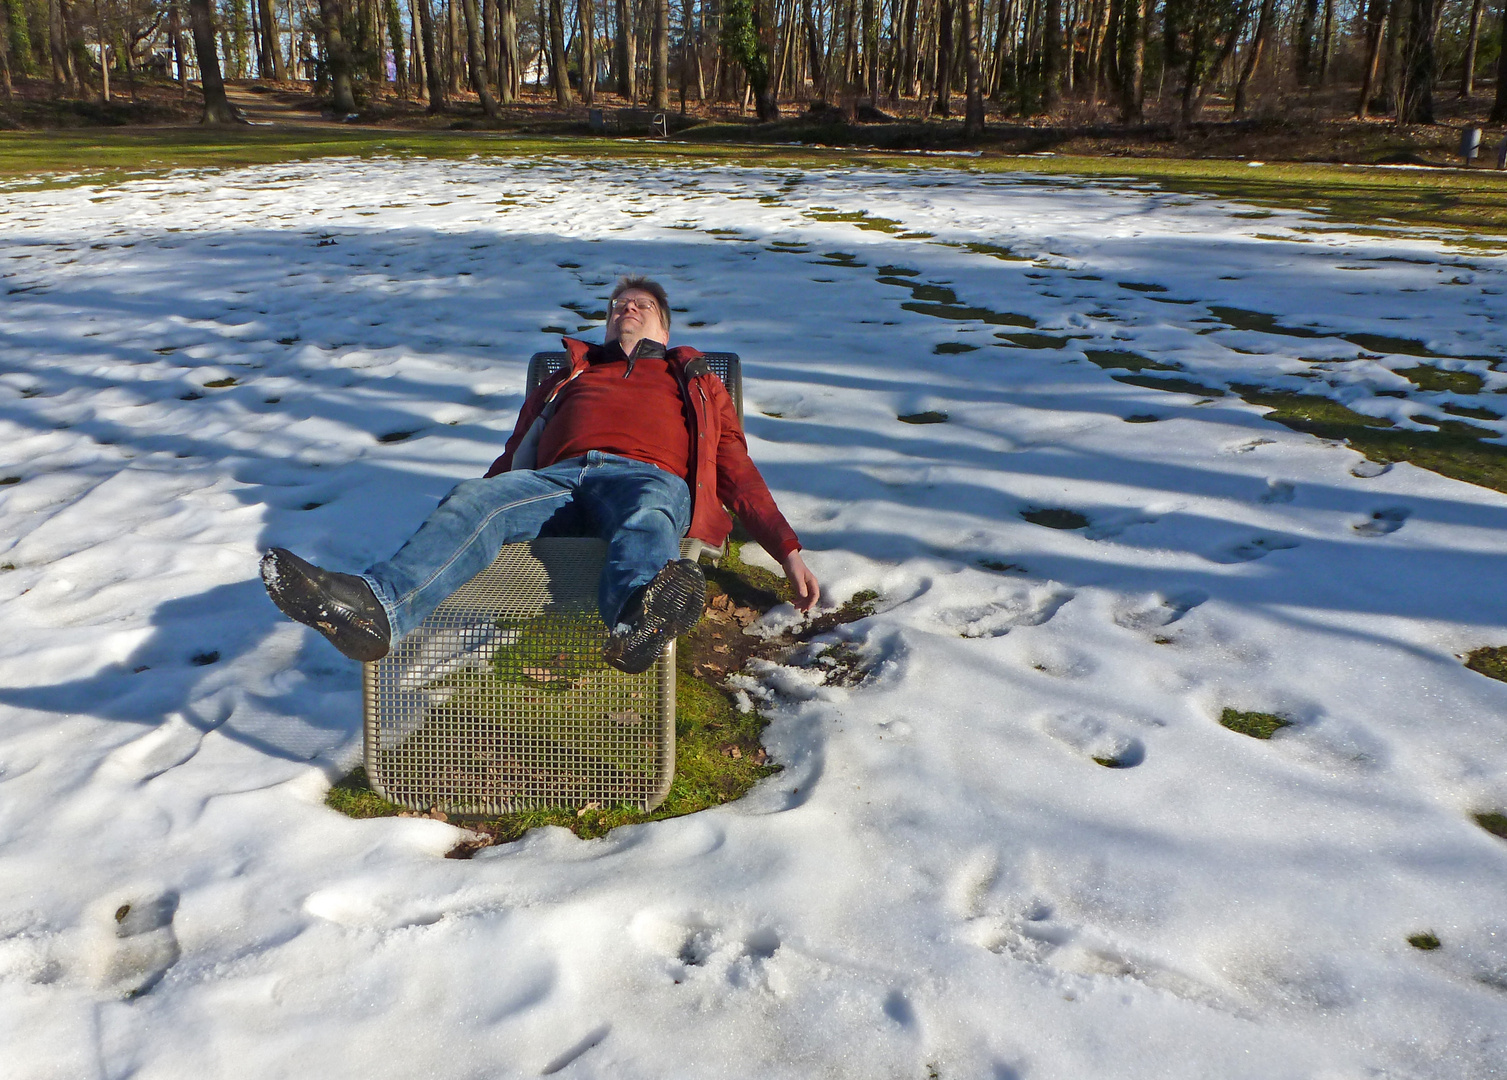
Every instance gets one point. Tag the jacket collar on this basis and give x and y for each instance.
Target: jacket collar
(586, 352)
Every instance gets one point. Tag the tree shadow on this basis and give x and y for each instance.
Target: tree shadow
(345, 455)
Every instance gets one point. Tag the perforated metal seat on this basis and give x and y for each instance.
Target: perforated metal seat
(500, 700)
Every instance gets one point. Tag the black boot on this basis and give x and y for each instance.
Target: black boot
(342, 607)
(663, 610)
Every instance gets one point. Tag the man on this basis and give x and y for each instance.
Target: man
(629, 442)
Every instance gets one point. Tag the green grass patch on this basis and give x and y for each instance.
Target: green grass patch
(353, 796)
(1428, 377)
(1472, 411)
(1258, 725)
(1055, 518)
(929, 417)
(1124, 360)
(1489, 660)
(1461, 455)
(1172, 383)
(1493, 821)
(1427, 941)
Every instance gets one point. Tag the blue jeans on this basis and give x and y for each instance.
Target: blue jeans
(639, 509)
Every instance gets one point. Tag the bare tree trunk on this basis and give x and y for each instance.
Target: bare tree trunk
(180, 54)
(1003, 37)
(584, 8)
(1133, 64)
(1328, 40)
(1253, 55)
(1051, 55)
(452, 48)
(418, 69)
(871, 50)
(217, 108)
(944, 57)
(1303, 46)
(476, 61)
(433, 70)
(1417, 104)
(814, 52)
(489, 39)
(270, 37)
(5, 47)
(510, 76)
(1376, 18)
(973, 112)
(1499, 107)
(62, 74)
(660, 53)
(557, 52)
(1468, 72)
(104, 54)
(627, 61)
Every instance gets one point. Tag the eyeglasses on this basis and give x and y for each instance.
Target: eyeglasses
(630, 303)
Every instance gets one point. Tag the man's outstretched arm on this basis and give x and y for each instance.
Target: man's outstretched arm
(741, 487)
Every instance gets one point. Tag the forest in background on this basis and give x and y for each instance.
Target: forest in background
(1072, 61)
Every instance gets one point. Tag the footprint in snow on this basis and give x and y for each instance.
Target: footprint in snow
(1258, 547)
(135, 943)
(1368, 470)
(1278, 491)
(1030, 607)
(1033, 936)
(690, 945)
(1106, 527)
(1384, 521)
(1095, 740)
(165, 747)
(1156, 610)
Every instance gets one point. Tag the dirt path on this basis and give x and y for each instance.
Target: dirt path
(274, 109)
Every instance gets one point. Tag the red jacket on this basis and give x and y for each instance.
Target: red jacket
(721, 472)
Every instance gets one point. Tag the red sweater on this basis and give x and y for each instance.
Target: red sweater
(720, 475)
(633, 410)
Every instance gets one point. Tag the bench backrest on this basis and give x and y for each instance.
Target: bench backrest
(725, 365)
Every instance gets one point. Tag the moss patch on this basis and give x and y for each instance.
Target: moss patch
(1180, 386)
(1124, 360)
(1428, 377)
(1258, 725)
(353, 796)
(1489, 660)
(1493, 821)
(929, 417)
(1055, 518)
(1449, 452)
(1426, 941)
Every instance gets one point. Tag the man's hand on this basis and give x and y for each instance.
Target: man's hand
(802, 581)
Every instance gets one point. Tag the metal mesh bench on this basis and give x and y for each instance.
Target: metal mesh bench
(500, 700)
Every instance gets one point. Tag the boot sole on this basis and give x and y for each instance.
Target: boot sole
(672, 604)
(300, 598)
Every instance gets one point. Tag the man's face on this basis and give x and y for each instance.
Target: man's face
(635, 314)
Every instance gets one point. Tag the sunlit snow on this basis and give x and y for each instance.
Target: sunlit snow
(942, 881)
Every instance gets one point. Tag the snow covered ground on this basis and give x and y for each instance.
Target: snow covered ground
(942, 881)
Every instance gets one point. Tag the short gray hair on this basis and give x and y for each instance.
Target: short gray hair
(653, 288)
